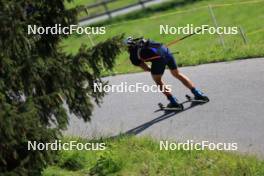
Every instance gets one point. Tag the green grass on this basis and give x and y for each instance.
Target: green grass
(197, 49)
(75, 3)
(82, 14)
(100, 9)
(120, 3)
(112, 5)
(142, 156)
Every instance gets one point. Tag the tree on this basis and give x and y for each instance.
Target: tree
(37, 77)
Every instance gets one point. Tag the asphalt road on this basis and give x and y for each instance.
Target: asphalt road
(234, 114)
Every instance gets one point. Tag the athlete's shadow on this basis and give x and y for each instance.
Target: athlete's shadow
(166, 115)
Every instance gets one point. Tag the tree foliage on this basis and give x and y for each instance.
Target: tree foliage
(37, 79)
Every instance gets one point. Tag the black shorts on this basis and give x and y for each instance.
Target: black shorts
(158, 66)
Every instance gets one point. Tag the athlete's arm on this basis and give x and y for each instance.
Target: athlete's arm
(144, 66)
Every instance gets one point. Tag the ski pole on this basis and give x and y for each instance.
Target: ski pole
(184, 37)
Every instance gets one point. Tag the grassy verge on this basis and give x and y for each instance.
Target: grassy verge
(75, 3)
(195, 50)
(141, 156)
(99, 9)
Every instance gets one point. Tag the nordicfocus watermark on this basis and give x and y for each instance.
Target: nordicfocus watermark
(59, 145)
(191, 145)
(203, 29)
(65, 30)
(124, 87)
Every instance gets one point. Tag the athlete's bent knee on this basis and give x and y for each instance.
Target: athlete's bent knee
(157, 79)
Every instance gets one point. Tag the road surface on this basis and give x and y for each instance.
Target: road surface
(234, 114)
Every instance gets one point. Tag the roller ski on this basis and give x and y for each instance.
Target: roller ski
(196, 99)
(171, 107)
